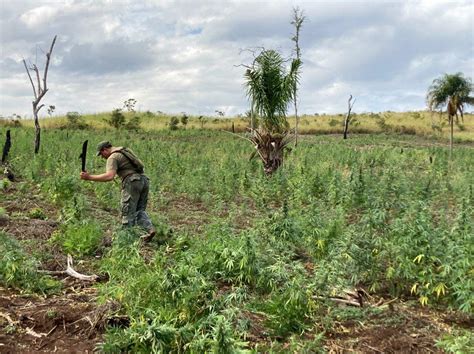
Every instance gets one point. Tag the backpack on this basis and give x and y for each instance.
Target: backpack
(135, 161)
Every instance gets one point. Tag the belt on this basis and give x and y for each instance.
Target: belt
(130, 174)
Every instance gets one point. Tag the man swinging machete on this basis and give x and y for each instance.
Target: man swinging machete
(123, 162)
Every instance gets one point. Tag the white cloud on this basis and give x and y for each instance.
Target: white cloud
(181, 55)
(39, 16)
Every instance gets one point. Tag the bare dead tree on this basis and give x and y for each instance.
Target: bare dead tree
(348, 115)
(298, 20)
(39, 90)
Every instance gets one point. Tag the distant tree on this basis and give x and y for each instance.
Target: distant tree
(347, 120)
(133, 123)
(202, 120)
(184, 119)
(452, 91)
(298, 20)
(129, 104)
(39, 90)
(117, 119)
(75, 121)
(173, 123)
(73, 118)
(51, 110)
(270, 88)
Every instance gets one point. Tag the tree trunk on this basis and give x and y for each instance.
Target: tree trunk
(296, 120)
(348, 116)
(274, 160)
(451, 137)
(346, 126)
(37, 130)
(271, 149)
(252, 119)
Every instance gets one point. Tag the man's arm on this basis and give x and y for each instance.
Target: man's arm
(104, 177)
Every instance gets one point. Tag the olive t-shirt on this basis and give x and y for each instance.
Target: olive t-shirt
(120, 163)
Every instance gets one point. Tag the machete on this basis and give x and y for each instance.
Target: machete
(83, 155)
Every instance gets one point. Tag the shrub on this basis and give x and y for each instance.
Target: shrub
(74, 121)
(173, 123)
(73, 117)
(461, 341)
(289, 307)
(62, 188)
(37, 213)
(10, 123)
(133, 123)
(117, 119)
(184, 119)
(384, 126)
(18, 269)
(79, 239)
(4, 183)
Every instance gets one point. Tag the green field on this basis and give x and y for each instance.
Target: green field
(421, 123)
(249, 262)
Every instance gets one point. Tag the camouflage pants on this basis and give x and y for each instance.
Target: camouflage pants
(134, 200)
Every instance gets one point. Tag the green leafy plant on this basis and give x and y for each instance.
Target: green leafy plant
(117, 119)
(37, 213)
(173, 123)
(133, 123)
(4, 184)
(80, 238)
(460, 341)
(75, 121)
(19, 270)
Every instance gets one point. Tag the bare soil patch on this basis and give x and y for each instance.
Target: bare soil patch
(70, 321)
(400, 329)
(56, 323)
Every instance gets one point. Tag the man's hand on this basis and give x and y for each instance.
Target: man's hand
(104, 177)
(85, 176)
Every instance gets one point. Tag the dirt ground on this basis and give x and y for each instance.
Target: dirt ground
(66, 322)
(400, 329)
(59, 323)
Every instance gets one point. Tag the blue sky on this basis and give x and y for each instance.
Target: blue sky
(184, 56)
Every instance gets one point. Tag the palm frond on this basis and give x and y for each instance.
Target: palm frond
(270, 87)
(448, 87)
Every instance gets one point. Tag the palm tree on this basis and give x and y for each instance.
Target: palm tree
(270, 88)
(451, 91)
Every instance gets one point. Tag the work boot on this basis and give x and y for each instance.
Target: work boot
(148, 237)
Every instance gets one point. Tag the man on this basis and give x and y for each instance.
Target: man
(135, 185)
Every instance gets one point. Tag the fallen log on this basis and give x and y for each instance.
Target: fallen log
(71, 272)
(340, 301)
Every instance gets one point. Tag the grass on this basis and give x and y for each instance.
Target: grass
(421, 123)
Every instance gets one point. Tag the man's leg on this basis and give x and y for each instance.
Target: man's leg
(129, 201)
(143, 219)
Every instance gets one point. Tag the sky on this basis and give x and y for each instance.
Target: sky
(187, 55)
